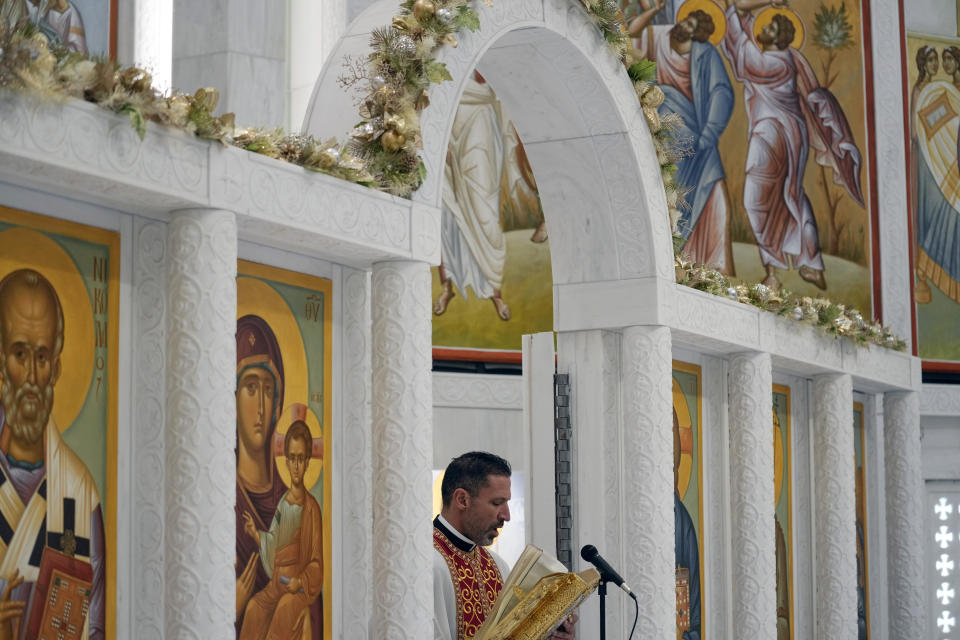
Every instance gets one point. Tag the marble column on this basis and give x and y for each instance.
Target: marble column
(200, 433)
(647, 417)
(904, 489)
(835, 507)
(356, 596)
(402, 450)
(750, 388)
(238, 47)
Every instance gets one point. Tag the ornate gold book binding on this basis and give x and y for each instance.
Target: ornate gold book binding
(543, 608)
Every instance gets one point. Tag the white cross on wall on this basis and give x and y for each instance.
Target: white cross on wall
(945, 593)
(942, 508)
(944, 537)
(946, 621)
(944, 565)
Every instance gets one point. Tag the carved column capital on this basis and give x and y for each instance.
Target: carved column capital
(750, 388)
(835, 507)
(648, 520)
(200, 431)
(904, 490)
(402, 449)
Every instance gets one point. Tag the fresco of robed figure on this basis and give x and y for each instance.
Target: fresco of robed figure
(779, 188)
(58, 316)
(774, 131)
(283, 386)
(81, 26)
(933, 72)
(687, 501)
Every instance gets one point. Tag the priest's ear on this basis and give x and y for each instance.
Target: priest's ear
(460, 499)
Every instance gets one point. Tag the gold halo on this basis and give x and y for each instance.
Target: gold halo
(260, 299)
(25, 248)
(777, 458)
(766, 16)
(315, 468)
(685, 421)
(710, 7)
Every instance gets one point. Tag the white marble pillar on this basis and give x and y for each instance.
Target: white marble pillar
(355, 598)
(835, 507)
(238, 47)
(149, 418)
(402, 450)
(750, 388)
(200, 433)
(648, 526)
(145, 38)
(904, 489)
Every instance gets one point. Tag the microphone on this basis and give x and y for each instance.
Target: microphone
(591, 555)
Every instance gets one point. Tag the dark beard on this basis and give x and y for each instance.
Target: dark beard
(764, 39)
(679, 34)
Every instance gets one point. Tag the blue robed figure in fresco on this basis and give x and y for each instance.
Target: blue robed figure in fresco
(686, 548)
(696, 86)
(935, 203)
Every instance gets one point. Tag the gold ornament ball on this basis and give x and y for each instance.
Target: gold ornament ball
(392, 141)
(423, 9)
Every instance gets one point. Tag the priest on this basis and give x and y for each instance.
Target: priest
(467, 577)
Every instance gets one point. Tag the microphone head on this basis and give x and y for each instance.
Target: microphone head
(588, 552)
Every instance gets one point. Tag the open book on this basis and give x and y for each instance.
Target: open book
(537, 595)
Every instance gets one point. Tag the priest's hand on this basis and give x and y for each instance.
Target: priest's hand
(245, 584)
(10, 610)
(565, 631)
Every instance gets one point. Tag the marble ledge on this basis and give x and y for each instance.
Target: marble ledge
(76, 150)
(717, 326)
(940, 400)
(470, 391)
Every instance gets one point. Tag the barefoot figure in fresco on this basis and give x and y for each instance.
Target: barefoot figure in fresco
(788, 112)
(696, 87)
(482, 154)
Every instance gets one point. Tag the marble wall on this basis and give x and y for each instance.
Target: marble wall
(238, 46)
(937, 17)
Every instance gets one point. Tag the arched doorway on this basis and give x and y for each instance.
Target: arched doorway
(598, 176)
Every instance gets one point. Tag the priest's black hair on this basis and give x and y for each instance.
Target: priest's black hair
(470, 471)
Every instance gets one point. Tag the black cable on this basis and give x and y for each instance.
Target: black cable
(636, 614)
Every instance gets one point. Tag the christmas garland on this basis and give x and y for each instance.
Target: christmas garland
(831, 318)
(382, 152)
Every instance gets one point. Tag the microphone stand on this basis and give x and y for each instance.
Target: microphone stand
(602, 591)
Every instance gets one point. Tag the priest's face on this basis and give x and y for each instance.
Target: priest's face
(487, 511)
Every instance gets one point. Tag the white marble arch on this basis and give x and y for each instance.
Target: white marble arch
(614, 294)
(578, 115)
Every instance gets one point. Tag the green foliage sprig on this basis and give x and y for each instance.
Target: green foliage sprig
(829, 317)
(832, 28)
(608, 17)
